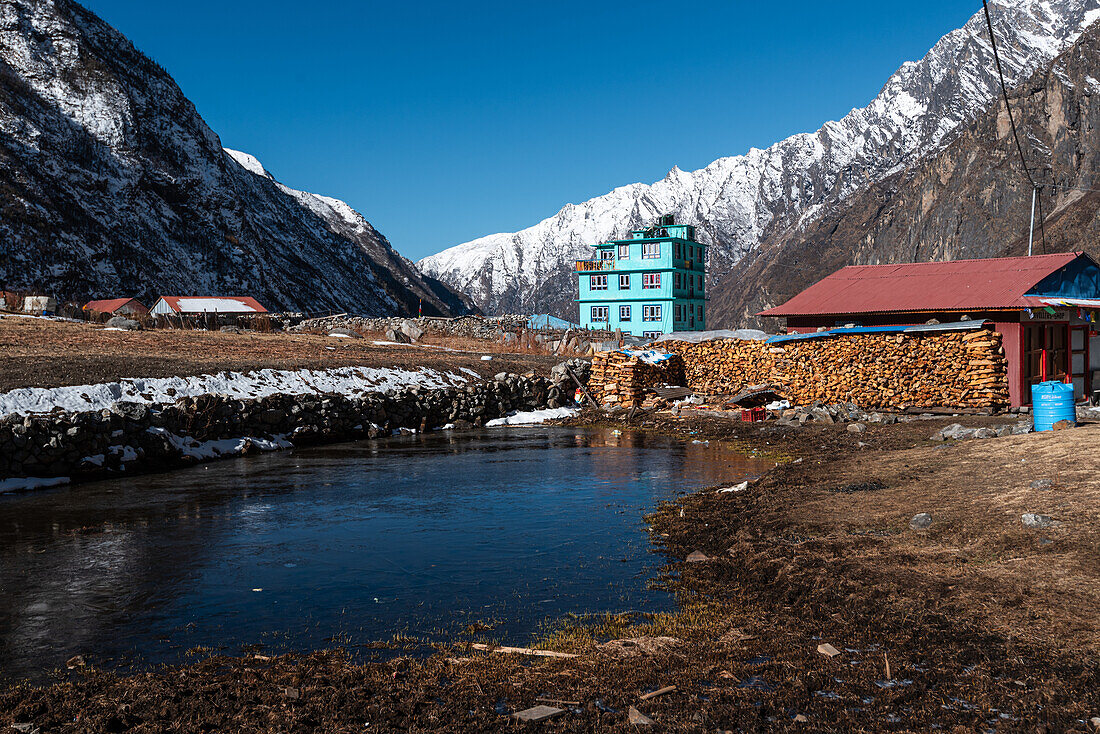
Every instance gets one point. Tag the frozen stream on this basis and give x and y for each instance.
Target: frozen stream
(341, 545)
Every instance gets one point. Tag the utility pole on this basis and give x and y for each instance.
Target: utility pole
(1031, 233)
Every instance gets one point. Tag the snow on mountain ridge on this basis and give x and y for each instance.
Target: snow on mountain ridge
(324, 206)
(739, 201)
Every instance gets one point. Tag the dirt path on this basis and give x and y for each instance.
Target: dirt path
(975, 623)
(44, 353)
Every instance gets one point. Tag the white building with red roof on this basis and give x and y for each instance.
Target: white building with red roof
(199, 305)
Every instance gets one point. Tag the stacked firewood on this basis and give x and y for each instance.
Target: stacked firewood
(945, 369)
(621, 379)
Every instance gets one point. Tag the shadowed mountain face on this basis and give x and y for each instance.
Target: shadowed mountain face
(969, 200)
(111, 184)
(745, 205)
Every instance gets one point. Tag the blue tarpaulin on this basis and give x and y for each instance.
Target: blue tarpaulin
(546, 321)
(952, 326)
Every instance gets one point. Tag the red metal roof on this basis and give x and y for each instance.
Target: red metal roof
(111, 305)
(956, 285)
(212, 304)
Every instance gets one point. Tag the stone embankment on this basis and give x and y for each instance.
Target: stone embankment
(134, 437)
(471, 327)
(507, 330)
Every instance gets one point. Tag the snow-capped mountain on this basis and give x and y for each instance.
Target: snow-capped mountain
(111, 184)
(968, 200)
(345, 221)
(744, 202)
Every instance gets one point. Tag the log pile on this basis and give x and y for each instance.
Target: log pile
(898, 371)
(620, 379)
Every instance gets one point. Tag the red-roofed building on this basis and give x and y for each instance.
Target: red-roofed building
(198, 305)
(117, 306)
(1046, 308)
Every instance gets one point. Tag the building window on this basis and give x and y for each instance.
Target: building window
(651, 280)
(651, 313)
(651, 250)
(606, 254)
(677, 250)
(624, 281)
(650, 334)
(699, 282)
(699, 308)
(624, 313)
(599, 313)
(597, 282)
(677, 311)
(677, 280)
(624, 252)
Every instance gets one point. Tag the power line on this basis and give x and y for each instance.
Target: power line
(1012, 121)
(1004, 93)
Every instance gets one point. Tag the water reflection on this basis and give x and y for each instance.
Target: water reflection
(351, 543)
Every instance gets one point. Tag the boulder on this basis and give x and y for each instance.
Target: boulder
(920, 521)
(397, 336)
(1034, 520)
(121, 322)
(856, 428)
(410, 329)
(955, 432)
(1041, 484)
(130, 410)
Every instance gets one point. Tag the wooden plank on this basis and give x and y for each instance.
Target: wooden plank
(582, 387)
(538, 713)
(522, 651)
(658, 692)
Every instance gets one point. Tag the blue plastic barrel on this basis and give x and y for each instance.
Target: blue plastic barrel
(1052, 402)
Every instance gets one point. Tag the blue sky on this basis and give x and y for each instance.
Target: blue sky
(442, 122)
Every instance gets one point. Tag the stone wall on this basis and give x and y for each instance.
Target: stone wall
(924, 369)
(474, 327)
(135, 437)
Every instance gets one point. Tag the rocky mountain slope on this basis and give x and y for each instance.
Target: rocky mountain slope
(743, 202)
(970, 199)
(111, 184)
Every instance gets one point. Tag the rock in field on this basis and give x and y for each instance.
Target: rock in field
(1041, 484)
(856, 428)
(1033, 520)
(397, 336)
(920, 521)
(121, 322)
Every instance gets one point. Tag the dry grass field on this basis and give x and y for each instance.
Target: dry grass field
(38, 352)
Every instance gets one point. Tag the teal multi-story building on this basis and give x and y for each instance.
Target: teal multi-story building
(649, 284)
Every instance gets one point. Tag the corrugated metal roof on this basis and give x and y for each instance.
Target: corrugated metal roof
(213, 304)
(934, 286)
(110, 305)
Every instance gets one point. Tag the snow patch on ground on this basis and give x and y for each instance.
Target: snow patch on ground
(533, 416)
(220, 447)
(247, 385)
(20, 483)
